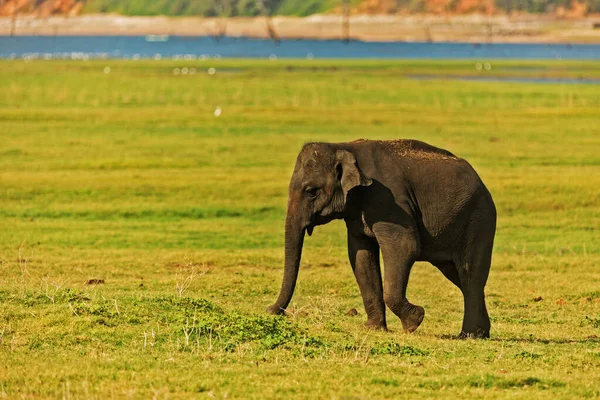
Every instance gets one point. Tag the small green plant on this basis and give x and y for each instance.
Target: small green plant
(492, 381)
(527, 354)
(396, 349)
(385, 382)
(103, 308)
(595, 322)
(234, 329)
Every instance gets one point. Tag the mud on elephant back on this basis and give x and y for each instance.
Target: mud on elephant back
(406, 200)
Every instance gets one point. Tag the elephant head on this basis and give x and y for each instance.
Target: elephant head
(319, 187)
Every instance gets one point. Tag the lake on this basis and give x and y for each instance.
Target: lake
(185, 47)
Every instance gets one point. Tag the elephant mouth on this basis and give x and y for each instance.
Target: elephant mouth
(319, 219)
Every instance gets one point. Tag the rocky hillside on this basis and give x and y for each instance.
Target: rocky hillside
(41, 8)
(562, 8)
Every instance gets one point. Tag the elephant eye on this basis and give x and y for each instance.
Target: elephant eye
(312, 192)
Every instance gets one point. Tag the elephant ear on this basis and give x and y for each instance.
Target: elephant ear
(348, 172)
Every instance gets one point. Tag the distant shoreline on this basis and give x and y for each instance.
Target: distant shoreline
(384, 28)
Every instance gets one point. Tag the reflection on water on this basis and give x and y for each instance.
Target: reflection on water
(178, 47)
(519, 79)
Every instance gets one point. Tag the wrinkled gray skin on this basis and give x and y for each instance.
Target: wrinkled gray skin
(407, 199)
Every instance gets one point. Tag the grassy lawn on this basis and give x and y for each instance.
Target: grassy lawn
(141, 236)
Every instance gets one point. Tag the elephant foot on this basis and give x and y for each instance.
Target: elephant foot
(376, 325)
(412, 317)
(477, 334)
(275, 310)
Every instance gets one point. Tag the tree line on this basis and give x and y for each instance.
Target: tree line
(233, 8)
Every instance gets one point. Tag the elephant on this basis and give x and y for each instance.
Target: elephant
(409, 201)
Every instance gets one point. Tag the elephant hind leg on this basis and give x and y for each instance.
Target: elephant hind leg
(476, 322)
(473, 274)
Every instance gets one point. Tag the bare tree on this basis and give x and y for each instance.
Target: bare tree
(223, 10)
(346, 21)
(267, 10)
(13, 18)
(428, 36)
(427, 25)
(17, 6)
(13, 22)
(489, 25)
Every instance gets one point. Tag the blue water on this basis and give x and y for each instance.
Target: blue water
(517, 79)
(50, 47)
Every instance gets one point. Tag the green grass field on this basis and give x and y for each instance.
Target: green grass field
(129, 178)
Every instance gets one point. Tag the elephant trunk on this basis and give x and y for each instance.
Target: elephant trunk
(294, 239)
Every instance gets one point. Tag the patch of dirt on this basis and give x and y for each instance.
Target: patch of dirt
(326, 265)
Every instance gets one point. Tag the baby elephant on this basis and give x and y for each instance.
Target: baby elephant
(407, 199)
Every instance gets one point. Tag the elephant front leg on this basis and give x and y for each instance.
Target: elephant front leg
(399, 247)
(364, 258)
